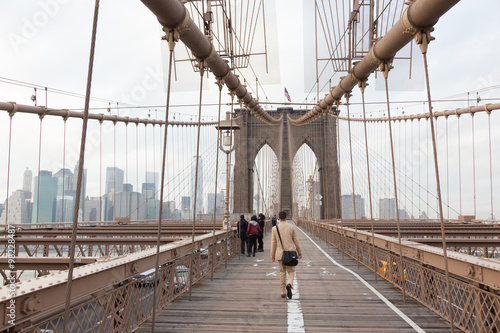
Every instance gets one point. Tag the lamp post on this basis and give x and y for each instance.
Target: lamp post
(227, 128)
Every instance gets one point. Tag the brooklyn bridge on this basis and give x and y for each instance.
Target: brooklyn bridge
(159, 123)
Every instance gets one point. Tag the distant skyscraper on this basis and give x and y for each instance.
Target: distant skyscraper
(387, 208)
(27, 179)
(152, 178)
(114, 177)
(348, 208)
(199, 192)
(128, 188)
(92, 210)
(44, 198)
(64, 178)
(148, 190)
(18, 209)
(186, 204)
(64, 209)
(211, 202)
(83, 191)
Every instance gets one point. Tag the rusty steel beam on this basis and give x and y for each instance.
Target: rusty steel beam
(44, 263)
(419, 16)
(107, 232)
(473, 269)
(457, 112)
(458, 242)
(12, 108)
(45, 241)
(47, 294)
(172, 15)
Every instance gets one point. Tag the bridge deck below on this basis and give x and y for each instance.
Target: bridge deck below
(245, 297)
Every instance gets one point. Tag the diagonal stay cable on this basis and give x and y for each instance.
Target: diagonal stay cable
(80, 170)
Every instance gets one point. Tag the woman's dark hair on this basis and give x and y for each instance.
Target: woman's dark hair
(254, 218)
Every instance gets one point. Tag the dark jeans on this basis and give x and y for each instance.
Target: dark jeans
(252, 244)
(261, 242)
(244, 241)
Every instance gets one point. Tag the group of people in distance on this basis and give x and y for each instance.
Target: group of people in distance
(250, 233)
(283, 239)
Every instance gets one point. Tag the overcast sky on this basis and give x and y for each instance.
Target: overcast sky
(46, 42)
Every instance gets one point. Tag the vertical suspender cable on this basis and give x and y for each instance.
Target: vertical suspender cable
(473, 162)
(114, 169)
(386, 74)
(491, 164)
(146, 168)
(39, 162)
(137, 210)
(362, 86)
(201, 65)
(171, 45)
(340, 183)
(100, 170)
(64, 168)
(347, 95)
(80, 171)
(220, 84)
(11, 114)
(447, 172)
(459, 164)
(425, 40)
(154, 173)
(127, 192)
(427, 165)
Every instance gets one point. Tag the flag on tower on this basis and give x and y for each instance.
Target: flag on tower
(287, 95)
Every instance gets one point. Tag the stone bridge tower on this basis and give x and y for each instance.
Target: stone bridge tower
(285, 139)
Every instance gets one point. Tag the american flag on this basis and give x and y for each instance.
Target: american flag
(287, 95)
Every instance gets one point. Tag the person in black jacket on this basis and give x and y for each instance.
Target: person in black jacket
(262, 220)
(242, 233)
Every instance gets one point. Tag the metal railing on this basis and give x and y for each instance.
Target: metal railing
(475, 290)
(115, 295)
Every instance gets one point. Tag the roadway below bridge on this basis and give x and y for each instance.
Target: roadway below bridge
(331, 294)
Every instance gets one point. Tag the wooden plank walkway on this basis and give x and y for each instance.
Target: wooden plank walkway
(245, 297)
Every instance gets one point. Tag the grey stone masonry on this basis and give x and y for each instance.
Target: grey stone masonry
(285, 139)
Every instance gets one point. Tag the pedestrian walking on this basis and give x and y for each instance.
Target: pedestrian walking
(290, 242)
(252, 234)
(261, 221)
(242, 233)
(274, 220)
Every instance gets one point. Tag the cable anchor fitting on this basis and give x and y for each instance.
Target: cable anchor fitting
(385, 67)
(423, 38)
(171, 36)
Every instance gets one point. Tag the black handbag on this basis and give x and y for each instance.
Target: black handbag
(290, 258)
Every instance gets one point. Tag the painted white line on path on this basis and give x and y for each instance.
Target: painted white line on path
(295, 319)
(375, 291)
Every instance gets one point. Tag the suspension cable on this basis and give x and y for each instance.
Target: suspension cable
(201, 64)
(473, 162)
(64, 169)
(362, 86)
(423, 39)
(39, 163)
(347, 97)
(171, 44)
(8, 169)
(80, 171)
(491, 165)
(220, 84)
(386, 66)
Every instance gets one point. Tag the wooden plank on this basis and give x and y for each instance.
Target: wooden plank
(245, 297)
